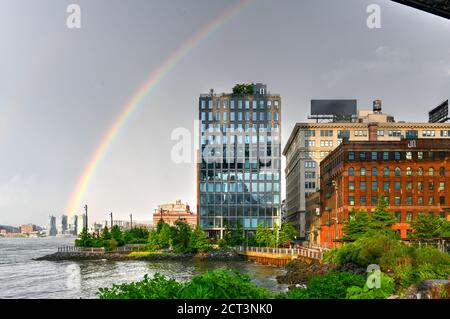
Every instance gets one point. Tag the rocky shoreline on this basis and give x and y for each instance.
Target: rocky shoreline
(79, 256)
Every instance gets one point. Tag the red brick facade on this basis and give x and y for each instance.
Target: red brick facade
(414, 175)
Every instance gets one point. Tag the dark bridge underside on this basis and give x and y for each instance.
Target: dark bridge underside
(438, 7)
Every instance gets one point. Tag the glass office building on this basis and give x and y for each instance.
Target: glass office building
(239, 169)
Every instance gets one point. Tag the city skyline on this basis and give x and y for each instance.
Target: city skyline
(62, 88)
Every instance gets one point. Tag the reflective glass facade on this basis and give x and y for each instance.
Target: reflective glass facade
(239, 171)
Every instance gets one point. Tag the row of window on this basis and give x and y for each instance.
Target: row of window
(234, 222)
(239, 176)
(240, 104)
(224, 187)
(409, 216)
(397, 171)
(391, 133)
(397, 201)
(240, 116)
(397, 186)
(219, 139)
(233, 199)
(386, 156)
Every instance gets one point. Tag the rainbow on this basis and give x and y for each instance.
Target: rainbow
(148, 86)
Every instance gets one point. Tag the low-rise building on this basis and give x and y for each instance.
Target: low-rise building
(413, 174)
(172, 212)
(28, 228)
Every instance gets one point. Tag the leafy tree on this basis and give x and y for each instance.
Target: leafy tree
(165, 236)
(356, 227)
(430, 227)
(159, 225)
(105, 234)
(116, 234)
(153, 240)
(265, 236)
(243, 89)
(234, 237)
(287, 233)
(381, 220)
(181, 234)
(198, 242)
(84, 240)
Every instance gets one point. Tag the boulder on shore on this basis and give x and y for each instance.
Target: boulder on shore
(429, 289)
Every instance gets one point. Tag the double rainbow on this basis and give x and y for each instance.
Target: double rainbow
(148, 86)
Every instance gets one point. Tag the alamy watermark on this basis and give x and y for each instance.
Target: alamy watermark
(73, 20)
(373, 277)
(73, 281)
(374, 18)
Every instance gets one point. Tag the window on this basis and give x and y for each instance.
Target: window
(362, 171)
(351, 156)
(431, 155)
(409, 216)
(397, 186)
(380, 133)
(374, 156)
(217, 116)
(351, 186)
(310, 185)
(420, 171)
(351, 171)
(326, 133)
(442, 200)
(374, 200)
(397, 200)
(310, 133)
(420, 186)
(398, 216)
(203, 104)
(362, 186)
(428, 133)
(374, 185)
(374, 171)
(351, 200)
(431, 200)
(386, 186)
(397, 171)
(420, 155)
(420, 200)
(431, 186)
(362, 156)
(210, 104)
(310, 174)
(441, 186)
(409, 200)
(441, 155)
(397, 156)
(395, 133)
(409, 155)
(408, 171)
(431, 171)
(408, 185)
(386, 171)
(362, 201)
(360, 133)
(442, 171)
(385, 156)
(310, 164)
(276, 104)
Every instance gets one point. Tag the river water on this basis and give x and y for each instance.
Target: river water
(22, 277)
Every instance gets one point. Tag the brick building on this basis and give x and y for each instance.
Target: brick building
(172, 212)
(414, 175)
(28, 228)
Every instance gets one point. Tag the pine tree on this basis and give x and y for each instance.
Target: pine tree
(381, 220)
(356, 227)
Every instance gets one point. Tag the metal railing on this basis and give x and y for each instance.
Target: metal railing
(303, 252)
(97, 250)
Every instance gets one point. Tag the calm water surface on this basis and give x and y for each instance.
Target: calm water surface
(22, 277)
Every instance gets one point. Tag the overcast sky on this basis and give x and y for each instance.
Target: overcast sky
(60, 89)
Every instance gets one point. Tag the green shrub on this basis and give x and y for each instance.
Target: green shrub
(217, 284)
(160, 287)
(223, 284)
(332, 285)
(387, 289)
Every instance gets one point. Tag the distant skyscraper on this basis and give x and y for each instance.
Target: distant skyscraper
(51, 228)
(81, 223)
(239, 168)
(73, 225)
(62, 225)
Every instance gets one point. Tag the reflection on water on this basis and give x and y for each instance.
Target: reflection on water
(22, 277)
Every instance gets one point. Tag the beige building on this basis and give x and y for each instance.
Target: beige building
(310, 143)
(172, 212)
